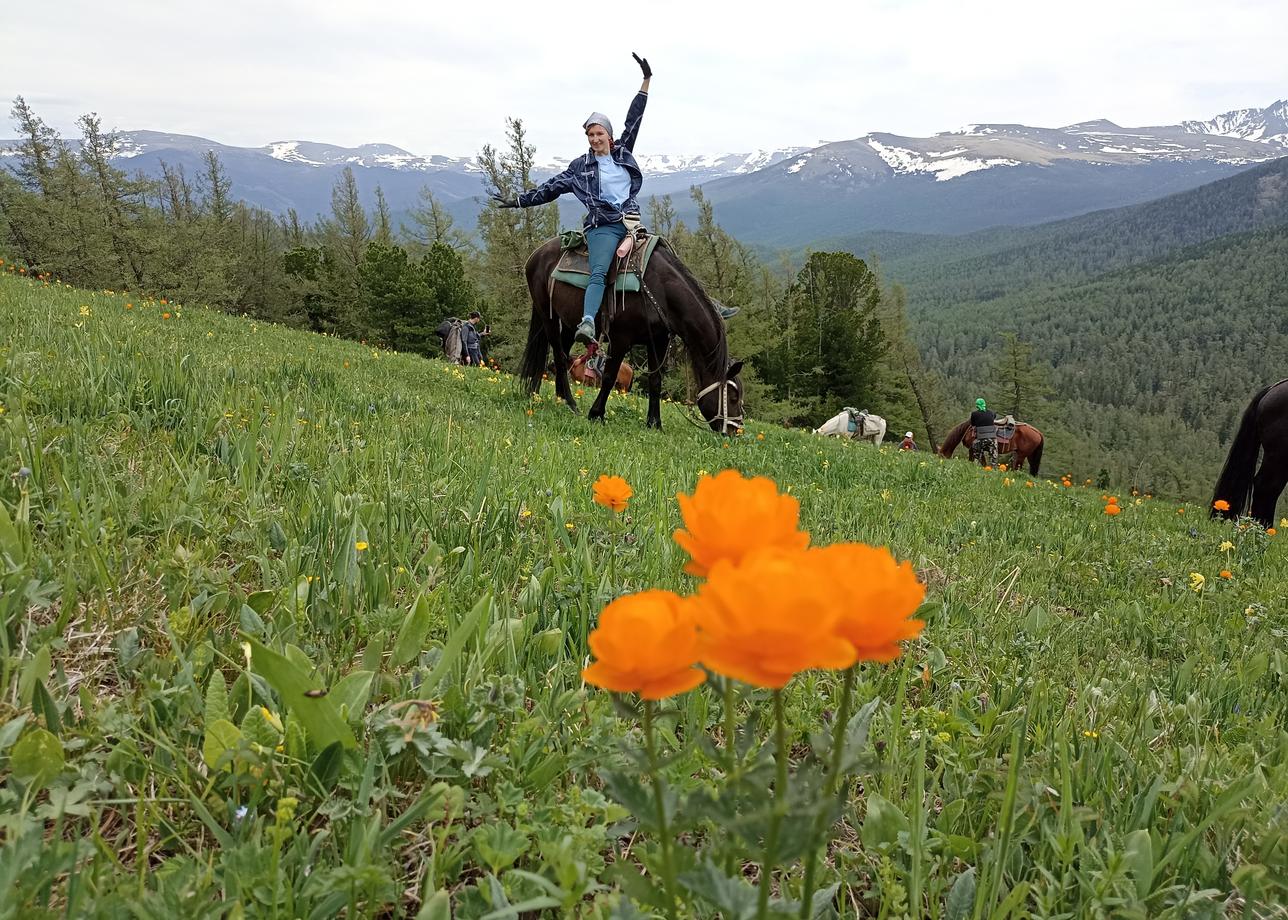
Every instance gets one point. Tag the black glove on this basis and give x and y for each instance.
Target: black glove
(502, 202)
(643, 62)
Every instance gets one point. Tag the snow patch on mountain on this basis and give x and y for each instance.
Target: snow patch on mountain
(905, 162)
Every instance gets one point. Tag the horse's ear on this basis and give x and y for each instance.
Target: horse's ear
(734, 370)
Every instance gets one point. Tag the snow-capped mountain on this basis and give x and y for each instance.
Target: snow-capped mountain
(978, 175)
(1268, 125)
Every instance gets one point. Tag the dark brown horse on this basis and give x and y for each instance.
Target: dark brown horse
(672, 303)
(1264, 432)
(1025, 444)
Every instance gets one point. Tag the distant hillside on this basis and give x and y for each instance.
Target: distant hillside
(1150, 365)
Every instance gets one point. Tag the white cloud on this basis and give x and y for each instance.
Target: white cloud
(441, 78)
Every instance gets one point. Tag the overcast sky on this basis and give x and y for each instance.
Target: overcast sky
(440, 77)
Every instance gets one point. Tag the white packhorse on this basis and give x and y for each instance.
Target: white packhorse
(865, 426)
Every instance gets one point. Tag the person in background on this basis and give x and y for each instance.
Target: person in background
(984, 421)
(908, 443)
(472, 346)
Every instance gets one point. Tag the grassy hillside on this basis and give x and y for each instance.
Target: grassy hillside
(1079, 731)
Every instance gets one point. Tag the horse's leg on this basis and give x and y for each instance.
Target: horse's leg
(1267, 486)
(655, 383)
(563, 390)
(607, 380)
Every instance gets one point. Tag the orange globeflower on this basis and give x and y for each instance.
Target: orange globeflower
(1225, 573)
(645, 643)
(769, 616)
(729, 516)
(1221, 505)
(876, 596)
(1270, 531)
(613, 492)
(1112, 509)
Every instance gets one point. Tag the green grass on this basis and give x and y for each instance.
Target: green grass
(1078, 732)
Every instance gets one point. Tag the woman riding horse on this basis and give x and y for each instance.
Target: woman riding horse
(606, 180)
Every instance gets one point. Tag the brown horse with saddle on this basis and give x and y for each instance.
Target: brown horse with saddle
(1018, 438)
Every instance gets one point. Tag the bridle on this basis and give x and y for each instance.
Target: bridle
(729, 424)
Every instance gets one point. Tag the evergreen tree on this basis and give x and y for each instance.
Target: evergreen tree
(509, 236)
(1020, 382)
(432, 224)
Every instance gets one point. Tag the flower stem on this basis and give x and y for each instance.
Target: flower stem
(769, 863)
(664, 833)
(829, 788)
(731, 752)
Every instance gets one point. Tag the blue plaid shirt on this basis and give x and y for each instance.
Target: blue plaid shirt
(582, 177)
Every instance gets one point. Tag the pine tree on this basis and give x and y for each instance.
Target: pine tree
(431, 223)
(509, 237)
(1019, 381)
(383, 229)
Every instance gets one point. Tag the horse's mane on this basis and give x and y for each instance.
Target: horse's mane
(952, 439)
(719, 355)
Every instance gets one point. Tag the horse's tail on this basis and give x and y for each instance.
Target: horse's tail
(1234, 485)
(1035, 458)
(534, 356)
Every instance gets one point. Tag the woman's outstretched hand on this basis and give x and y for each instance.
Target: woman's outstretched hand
(502, 202)
(643, 62)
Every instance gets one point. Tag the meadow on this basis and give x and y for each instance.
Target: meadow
(294, 627)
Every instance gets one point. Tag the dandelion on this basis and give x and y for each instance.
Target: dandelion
(525, 514)
(766, 616)
(569, 525)
(1221, 505)
(1113, 510)
(84, 310)
(646, 643)
(729, 516)
(1197, 581)
(1090, 733)
(1225, 546)
(612, 492)
(360, 545)
(1225, 573)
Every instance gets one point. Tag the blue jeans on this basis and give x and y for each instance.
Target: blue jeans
(602, 243)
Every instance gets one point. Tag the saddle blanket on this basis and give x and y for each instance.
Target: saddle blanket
(574, 265)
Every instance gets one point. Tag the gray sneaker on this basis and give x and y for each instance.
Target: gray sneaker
(585, 331)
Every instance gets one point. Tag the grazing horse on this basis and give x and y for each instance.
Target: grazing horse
(1025, 444)
(1263, 431)
(671, 303)
(868, 426)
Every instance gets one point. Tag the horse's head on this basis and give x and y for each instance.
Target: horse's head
(720, 402)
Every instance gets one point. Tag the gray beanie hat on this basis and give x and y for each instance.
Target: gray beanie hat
(599, 118)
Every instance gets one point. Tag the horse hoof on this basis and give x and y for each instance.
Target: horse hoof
(654, 423)
(596, 418)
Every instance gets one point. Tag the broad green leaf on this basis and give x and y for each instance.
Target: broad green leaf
(733, 897)
(1139, 853)
(10, 730)
(437, 907)
(222, 737)
(42, 703)
(326, 766)
(261, 601)
(10, 542)
(961, 897)
(250, 621)
(498, 845)
(37, 758)
(456, 643)
(350, 694)
(412, 633)
(36, 669)
(882, 823)
(319, 715)
(217, 699)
